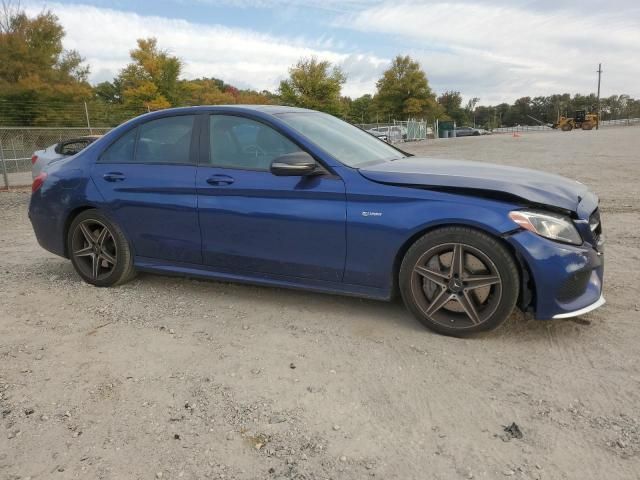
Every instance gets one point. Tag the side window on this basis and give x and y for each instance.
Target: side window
(121, 151)
(166, 140)
(237, 142)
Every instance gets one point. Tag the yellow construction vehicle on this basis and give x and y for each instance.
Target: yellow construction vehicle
(582, 119)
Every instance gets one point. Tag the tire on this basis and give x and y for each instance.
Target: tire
(567, 127)
(99, 251)
(474, 294)
(587, 126)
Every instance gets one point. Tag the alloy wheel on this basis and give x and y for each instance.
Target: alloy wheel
(456, 285)
(94, 249)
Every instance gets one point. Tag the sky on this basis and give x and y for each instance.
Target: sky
(496, 50)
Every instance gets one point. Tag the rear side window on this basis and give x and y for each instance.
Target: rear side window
(166, 140)
(121, 151)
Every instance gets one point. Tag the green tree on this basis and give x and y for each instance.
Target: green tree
(403, 91)
(451, 103)
(313, 84)
(363, 109)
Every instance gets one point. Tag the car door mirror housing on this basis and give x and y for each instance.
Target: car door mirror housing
(294, 164)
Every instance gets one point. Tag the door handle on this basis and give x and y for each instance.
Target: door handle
(114, 177)
(220, 180)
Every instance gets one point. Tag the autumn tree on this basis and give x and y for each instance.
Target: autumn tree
(205, 91)
(313, 84)
(403, 91)
(37, 74)
(152, 78)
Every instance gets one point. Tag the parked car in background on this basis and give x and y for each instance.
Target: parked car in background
(67, 148)
(378, 134)
(394, 133)
(470, 131)
(295, 198)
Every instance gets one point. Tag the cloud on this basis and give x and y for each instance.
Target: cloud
(329, 5)
(241, 57)
(503, 50)
(497, 50)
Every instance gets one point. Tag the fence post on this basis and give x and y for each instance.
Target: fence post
(86, 112)
(4, 166)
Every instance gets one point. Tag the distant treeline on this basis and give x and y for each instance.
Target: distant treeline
(41, 84)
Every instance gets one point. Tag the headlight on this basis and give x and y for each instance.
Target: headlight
(549, 225)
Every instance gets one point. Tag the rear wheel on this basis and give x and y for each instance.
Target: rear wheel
(587, 126)
(99, 250)
(458, 281)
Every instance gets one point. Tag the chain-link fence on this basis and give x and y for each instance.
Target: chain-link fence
(17, 146)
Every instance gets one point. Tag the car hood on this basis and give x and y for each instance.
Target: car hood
(458, 175)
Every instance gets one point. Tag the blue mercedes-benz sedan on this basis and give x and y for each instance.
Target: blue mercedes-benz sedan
(296, 198)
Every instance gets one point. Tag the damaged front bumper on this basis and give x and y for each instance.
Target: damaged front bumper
(576, 313)
(566, 279)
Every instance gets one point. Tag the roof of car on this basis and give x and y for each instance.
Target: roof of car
(257, 111)
(269, 109)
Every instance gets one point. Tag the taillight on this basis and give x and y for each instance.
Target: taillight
(34, 159)
(38, 181)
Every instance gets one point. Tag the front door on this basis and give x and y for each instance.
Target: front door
(147, 178)
(255, 222)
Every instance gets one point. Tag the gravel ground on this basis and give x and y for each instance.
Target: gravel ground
(176, 378)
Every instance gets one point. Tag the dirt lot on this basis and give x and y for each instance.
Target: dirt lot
(177, 378)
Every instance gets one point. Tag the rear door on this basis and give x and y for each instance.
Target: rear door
(255, 222)
(147, 178)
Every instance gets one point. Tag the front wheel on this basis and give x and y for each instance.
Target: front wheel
(458, 281)
(99, 250)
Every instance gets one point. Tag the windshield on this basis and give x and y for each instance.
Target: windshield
(343, 141)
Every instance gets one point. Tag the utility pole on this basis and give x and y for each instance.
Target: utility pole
(599, 76)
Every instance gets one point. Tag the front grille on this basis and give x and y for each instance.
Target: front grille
(574, 286)
(595, 225)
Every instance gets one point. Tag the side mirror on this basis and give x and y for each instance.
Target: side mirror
(293, 164)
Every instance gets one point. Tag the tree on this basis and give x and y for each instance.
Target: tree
(204, 91)
(451, 103)
(362, 109)
(151, 80)
(36, 74)
(403, 91)
(313, 84)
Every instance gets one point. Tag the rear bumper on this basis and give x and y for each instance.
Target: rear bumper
(567, 279)
(47, 227)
